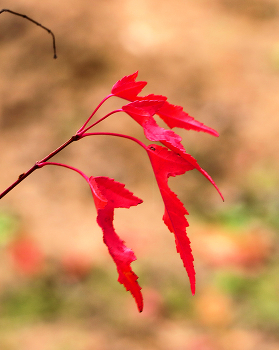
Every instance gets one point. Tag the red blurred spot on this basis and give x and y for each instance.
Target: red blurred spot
(27, 255)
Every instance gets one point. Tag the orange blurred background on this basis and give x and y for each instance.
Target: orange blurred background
(219, 59)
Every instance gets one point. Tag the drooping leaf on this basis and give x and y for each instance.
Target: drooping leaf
(166, 163)
(142, 112)
(128, 88)
(108, 195)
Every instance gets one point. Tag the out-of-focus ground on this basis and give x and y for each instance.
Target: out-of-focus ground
(219, 59)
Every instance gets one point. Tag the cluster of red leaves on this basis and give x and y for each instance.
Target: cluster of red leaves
(168, 160)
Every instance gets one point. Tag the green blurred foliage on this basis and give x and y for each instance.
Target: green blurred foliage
(8, 228)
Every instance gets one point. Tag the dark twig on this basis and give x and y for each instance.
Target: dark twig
(37, 23)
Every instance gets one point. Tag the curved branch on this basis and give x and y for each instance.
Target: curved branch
(37, 23)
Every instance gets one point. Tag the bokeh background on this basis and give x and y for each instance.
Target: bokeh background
(219, 59)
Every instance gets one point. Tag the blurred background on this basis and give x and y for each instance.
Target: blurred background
(219, 59)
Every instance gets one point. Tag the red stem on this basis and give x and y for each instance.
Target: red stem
(81, 132)
(92, 114)
(65, 166)
(117, 135)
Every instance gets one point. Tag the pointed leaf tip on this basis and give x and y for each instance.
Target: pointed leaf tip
(114, 192)
(174, 116)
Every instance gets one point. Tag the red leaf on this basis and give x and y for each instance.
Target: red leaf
(174, 116)
(167, 163)
(179, 149)
(109, 194)
(142, 112)
(128, 88)
(152, 97)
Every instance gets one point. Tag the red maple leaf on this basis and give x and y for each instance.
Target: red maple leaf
(108, 195)
(143, 111)
(166, 163)
(128, 88)
(174, 116)
(170, 160)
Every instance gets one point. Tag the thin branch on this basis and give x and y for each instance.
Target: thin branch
(37, 23)
(20, 178)
(37, 165)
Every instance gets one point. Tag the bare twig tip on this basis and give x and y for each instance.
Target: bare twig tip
(37, 23)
